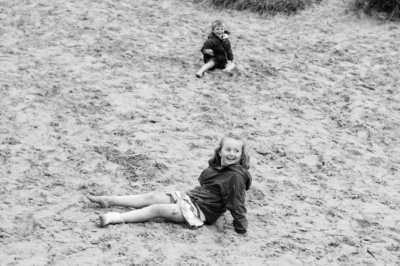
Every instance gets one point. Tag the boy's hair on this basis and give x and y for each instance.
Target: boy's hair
(244, 159)
(217, 23)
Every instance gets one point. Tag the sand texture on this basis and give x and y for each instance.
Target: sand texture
(100, 97)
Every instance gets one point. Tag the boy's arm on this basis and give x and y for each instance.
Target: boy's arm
(207, 45)
(229, 52)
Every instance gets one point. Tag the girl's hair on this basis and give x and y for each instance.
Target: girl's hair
(244, 159)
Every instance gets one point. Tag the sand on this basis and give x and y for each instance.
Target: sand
(100, 97)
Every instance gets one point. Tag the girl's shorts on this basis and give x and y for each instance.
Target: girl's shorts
(190, 211)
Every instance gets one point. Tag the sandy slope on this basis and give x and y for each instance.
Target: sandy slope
(100, 97)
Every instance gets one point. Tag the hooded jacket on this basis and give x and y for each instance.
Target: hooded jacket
(223, 188)
(221, 48)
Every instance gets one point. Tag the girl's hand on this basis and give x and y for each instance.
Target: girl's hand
(209, 51)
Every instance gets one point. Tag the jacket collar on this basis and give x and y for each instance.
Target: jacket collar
(238, 169)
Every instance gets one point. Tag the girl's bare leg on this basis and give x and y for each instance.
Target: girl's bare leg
(167, 211)
(228, 69)
(210, 64)
(133, 201)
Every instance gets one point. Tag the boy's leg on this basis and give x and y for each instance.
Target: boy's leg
(133, 201)
(210, 64)
(167, 211)
(228, 68)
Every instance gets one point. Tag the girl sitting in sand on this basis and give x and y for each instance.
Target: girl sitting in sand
(222, 187)
(217, 51)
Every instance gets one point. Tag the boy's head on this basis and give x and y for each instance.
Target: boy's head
(217, 23)
(218, 28)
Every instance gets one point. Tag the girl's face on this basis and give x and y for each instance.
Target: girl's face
(219, 31)
(231, 152)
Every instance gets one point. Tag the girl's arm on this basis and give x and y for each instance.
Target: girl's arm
(234, 199)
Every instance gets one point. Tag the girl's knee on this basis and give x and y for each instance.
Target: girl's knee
(155, 197)
(156, 210)
(151, 196)
(168, 211)
(162, 210)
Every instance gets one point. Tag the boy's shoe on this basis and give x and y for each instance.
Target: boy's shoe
(227, 72)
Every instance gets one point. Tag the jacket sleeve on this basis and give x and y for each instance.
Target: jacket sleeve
(234, 199)
(229, 52)
(207, 45)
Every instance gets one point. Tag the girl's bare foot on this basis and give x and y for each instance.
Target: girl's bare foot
(99, 200)
(110, 218)
(199, 75)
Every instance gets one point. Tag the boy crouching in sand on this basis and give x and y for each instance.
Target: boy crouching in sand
(217, 51)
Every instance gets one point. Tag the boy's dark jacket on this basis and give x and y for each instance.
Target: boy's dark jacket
(223, 188)
(221, 48)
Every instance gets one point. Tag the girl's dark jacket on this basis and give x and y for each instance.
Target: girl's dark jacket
(223, 188)
(221, 48)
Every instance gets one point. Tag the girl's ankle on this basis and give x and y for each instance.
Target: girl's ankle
(101, 200)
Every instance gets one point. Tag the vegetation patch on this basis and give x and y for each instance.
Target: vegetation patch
(264, 7)
(391, 8)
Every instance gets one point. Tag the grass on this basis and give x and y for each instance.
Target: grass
(264, 7)
(389, 7)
